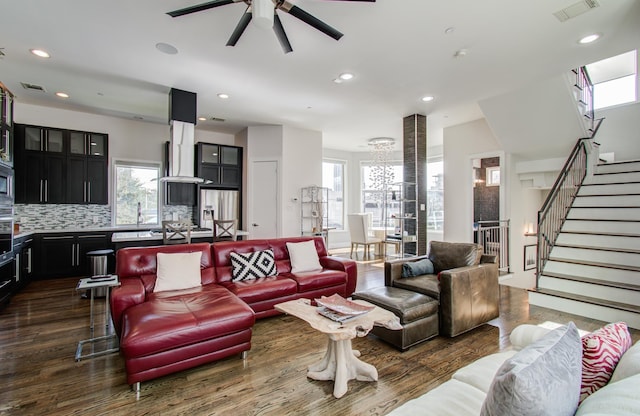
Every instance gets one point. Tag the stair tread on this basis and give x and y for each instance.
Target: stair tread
(599, 219)
(619, 162)
(616, 173)
(599, 248)
(605, 207)
(609, 183)
(597, 264)
(601, 233)
(600, 195)
(587, 299)
(600, 282)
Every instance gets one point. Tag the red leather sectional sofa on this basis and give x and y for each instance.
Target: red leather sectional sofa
(165, 332)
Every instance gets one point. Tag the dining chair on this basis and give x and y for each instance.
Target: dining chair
(225, 230)
(176, 232)
(360, 232)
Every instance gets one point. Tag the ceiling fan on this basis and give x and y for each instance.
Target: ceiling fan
(264, 13)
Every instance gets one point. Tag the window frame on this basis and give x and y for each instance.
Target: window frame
(343, 163)
(117, 163)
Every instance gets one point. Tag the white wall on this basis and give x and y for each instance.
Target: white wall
(461, 144)
(302, 166)
(620, 131)
(264, 143)
(520, 204)
(299, 156)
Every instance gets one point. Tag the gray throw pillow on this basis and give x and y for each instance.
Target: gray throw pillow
(417, 268)
(542, 379)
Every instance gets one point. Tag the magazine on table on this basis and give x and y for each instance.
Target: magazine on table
(339, 309)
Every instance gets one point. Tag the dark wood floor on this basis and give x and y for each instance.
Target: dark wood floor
(40, 328)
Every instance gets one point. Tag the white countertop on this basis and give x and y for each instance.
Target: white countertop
(150, 236)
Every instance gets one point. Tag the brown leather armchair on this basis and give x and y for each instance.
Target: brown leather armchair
(465, 282)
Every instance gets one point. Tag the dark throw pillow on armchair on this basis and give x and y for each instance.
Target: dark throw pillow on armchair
(417, 268)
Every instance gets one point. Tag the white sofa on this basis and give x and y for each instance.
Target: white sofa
(465, 393)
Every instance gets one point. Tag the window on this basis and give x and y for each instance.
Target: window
(435, 193)
(614, 80)
(372, 177)
(136, 185)
(333, 178)
(493, 176)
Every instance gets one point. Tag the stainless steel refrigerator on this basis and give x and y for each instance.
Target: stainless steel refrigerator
(217, 204)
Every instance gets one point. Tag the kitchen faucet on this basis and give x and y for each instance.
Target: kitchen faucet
(139, 216)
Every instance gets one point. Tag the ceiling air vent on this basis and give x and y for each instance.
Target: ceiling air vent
(32, 87)
(575, 10)
(217, 119)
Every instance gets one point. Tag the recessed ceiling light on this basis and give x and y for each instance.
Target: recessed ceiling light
(461, 53)
(62, 94)
(166, 48)
(223, 96)
(346, 76)
(590, 38)
(40, 53)
(428, 98)
(202, 118)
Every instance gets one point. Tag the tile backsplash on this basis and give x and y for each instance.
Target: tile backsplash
(74, 216)
(61, 216)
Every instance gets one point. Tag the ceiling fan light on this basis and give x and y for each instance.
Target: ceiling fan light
(262, 11)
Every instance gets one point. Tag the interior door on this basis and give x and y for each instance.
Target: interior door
(264, 201)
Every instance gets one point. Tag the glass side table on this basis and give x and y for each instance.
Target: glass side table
(100, 345)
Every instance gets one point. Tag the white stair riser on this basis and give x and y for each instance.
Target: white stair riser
(602, 226)
(615, 178)
(625, 213)
(594, 291)
(600, 256)
(608, 201)
(594, 272)
(610, 241)
(618, 167)
(626, 188)
(588, 310)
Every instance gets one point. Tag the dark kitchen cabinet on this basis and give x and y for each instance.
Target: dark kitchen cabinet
(59, 166)
(86, 180)
(65, 254)
(90, 144)
(220, 164)
(23, 260)
(42, 139)
(56, 255)
(6, 125)
(41, 180)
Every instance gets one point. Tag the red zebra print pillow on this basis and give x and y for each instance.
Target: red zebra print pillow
(601, 351)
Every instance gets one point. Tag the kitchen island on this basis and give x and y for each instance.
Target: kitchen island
(154, 238)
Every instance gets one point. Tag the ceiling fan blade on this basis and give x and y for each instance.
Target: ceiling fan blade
(311, 20)
(200, 7)
(280, 34)
(240, 27)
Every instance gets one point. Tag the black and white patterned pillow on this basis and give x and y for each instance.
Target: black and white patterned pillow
(247, 266)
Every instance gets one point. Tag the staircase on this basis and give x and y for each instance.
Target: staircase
(593, 269)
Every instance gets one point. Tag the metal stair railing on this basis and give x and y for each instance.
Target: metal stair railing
(554, 211)
(494, 238)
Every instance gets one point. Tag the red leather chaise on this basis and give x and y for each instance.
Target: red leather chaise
(165, 332)
(169, 331)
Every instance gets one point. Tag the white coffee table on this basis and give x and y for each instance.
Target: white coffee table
(340, 362)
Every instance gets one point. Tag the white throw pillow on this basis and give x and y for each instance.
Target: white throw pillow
(177, 271)
(615, 399)
(629, 364)
(304, 257)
